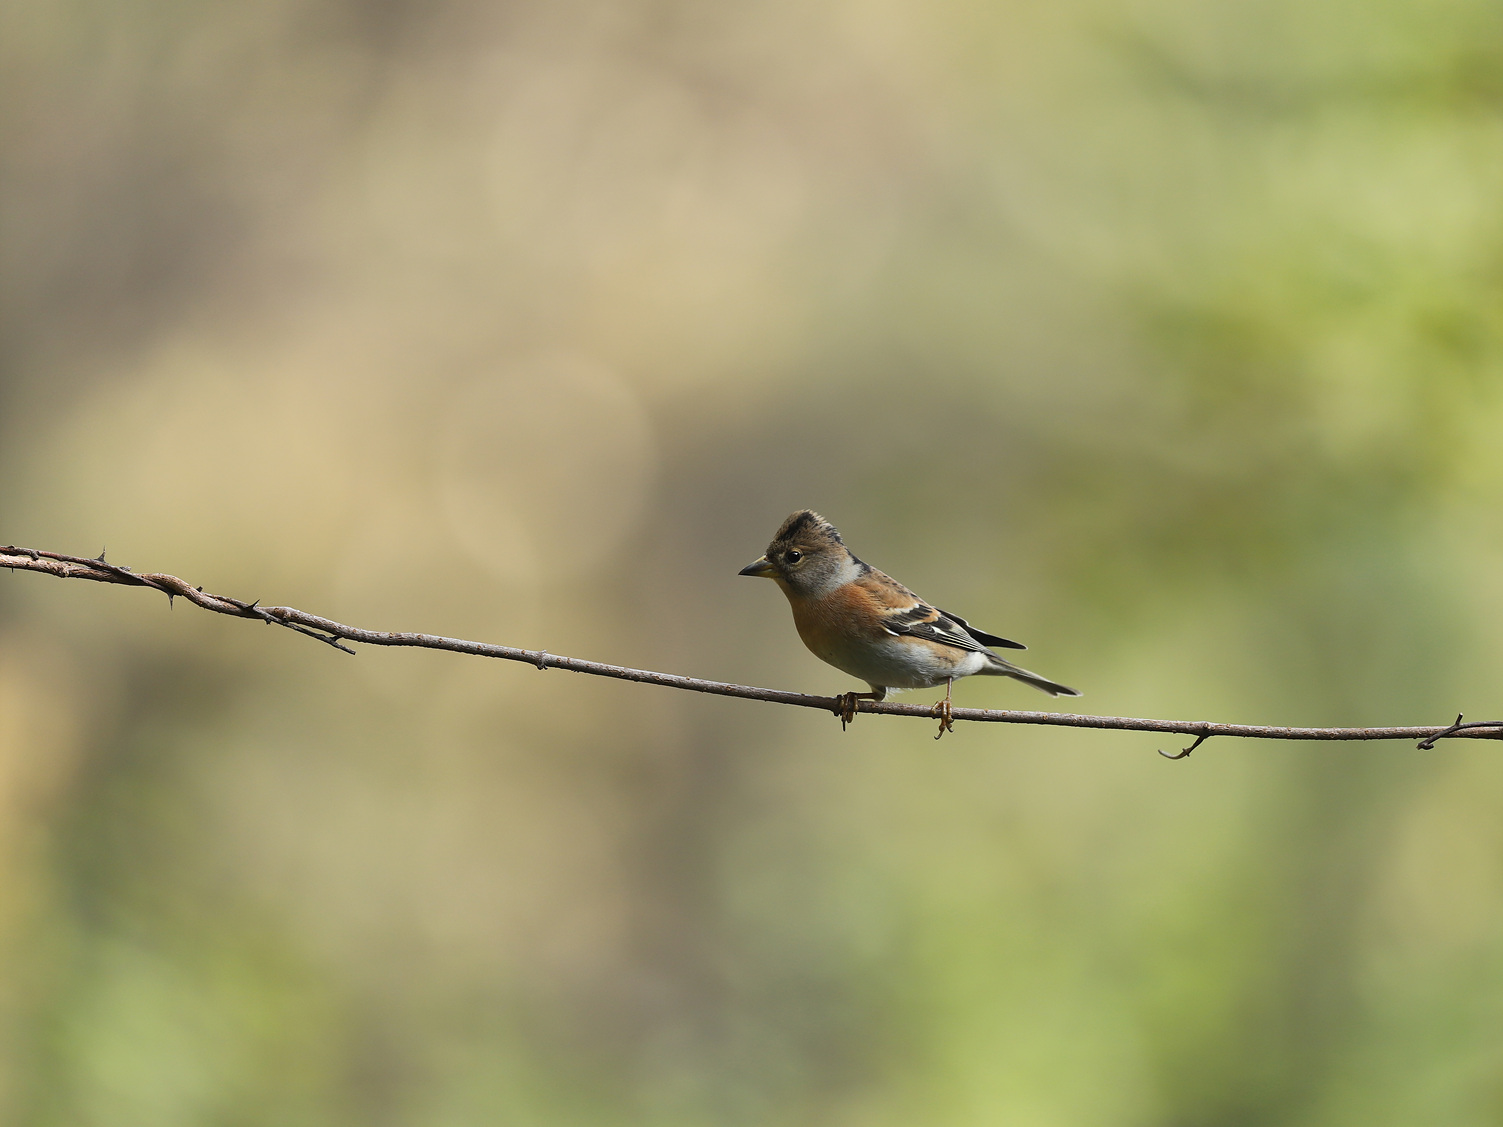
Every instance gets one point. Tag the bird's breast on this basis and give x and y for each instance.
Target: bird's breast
(845, 629)
(845, 618)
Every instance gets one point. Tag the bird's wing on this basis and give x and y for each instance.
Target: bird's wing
(923, 621)
(982, 636)
(904, 613)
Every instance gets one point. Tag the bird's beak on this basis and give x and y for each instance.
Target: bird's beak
(759, 568)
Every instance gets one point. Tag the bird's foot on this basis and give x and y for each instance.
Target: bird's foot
(846, 705)
(847, 713)
(946, 721)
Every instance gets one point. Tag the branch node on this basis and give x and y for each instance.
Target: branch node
(1429, 741)
(1184, 753)
(542, 660)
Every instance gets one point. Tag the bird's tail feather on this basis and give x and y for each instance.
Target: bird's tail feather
(1000, 667)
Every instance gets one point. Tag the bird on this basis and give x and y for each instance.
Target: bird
(865, 623)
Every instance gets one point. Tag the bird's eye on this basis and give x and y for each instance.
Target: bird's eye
(794, 555)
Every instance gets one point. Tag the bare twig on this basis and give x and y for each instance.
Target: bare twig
(331, 632)
(1446, 733)
(1184, 752)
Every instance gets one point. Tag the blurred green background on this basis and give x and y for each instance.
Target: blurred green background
(1166, 336)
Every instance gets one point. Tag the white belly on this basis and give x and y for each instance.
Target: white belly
(897, 664)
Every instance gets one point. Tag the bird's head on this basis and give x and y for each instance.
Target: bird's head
(806, 557)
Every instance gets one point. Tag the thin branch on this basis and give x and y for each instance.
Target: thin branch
(331, 632)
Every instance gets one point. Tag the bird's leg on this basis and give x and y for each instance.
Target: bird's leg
(847, 702)
(942, 710)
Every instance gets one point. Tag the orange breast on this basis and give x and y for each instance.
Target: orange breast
(845, 617)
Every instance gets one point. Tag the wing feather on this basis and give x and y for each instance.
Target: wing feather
(923, 621)
(904, 613)
(983, 637)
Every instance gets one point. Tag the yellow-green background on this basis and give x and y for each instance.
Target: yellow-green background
(1165, 335)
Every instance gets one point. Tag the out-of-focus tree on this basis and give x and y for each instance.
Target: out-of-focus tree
(1165, 337)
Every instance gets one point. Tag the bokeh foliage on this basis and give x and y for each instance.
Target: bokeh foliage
(1166, 336)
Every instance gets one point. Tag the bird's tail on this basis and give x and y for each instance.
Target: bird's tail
(1000, 667)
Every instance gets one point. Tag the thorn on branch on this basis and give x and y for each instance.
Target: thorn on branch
(120, 571)
(247, 610)
(1184, 753)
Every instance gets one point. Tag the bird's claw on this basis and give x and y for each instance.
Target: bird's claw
(847, 711)
(946, 720)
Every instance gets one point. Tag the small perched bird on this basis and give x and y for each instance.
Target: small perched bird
(865, 623)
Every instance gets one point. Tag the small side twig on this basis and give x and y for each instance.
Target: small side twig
(255, 610)
(1429, 742)
(1184, 753)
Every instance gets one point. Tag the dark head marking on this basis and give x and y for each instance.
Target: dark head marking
(806, 524)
